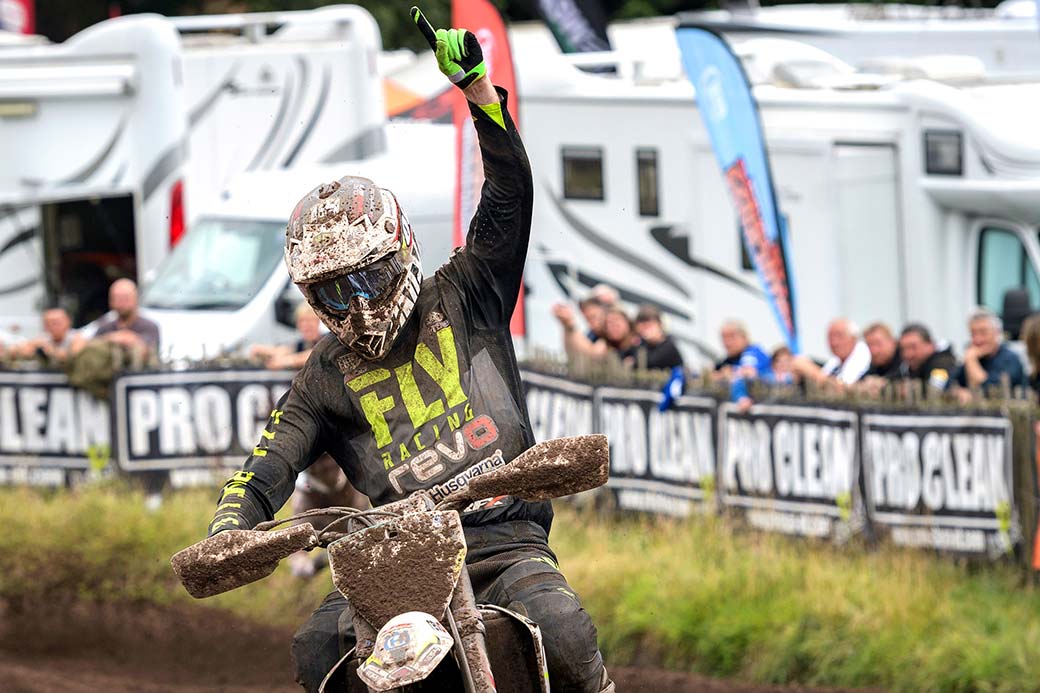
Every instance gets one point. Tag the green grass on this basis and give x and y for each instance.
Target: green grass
(102, 544)
(693, 595)
(698, 595)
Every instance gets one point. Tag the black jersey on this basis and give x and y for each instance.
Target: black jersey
(446, 403)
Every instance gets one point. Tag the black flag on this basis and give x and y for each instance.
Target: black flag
(580, 26)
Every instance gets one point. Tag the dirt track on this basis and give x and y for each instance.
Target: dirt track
(190, 650)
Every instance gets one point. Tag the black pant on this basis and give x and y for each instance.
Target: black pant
(511, 565)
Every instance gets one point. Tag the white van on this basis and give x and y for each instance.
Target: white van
(113, 140)
(906, 199)
(225, 286)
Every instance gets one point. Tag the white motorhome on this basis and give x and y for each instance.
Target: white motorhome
(1000, 42)
(225, 286)
(114, 139)
(907, 200)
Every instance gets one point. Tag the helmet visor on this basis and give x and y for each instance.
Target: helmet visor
(369, 282)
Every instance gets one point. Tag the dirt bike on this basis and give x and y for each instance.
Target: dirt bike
(402, 568)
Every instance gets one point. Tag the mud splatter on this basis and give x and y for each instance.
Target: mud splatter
(237, 557)
(407, 564)
(551, 469)
(475, 653)
(415, 503)
(366, 637)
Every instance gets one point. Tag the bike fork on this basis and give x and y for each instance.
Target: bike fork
(467, 628)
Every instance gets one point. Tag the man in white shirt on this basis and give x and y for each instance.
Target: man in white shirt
(850, 356)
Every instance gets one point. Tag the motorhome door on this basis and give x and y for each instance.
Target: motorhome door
(88, 243)
(870, 236)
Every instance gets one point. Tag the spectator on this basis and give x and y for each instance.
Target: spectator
(1031, 336)
(594, 309)
(884, 355)
(575, 342)
(594, 312)
(606, 295)
(660, 350)
(743, 359)
(850, 356)
(782, 363)
(124, 325)
(923, 360)
(308, 326)
(618, 333)
(58, 342)
(596, 344)
(988, 359)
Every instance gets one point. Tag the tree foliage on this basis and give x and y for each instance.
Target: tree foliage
(59, 19)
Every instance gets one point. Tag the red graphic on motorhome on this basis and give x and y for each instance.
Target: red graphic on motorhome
(767, 255)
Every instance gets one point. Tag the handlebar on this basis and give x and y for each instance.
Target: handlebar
(347, 516)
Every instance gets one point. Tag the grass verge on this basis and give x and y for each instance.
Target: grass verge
(693, 596)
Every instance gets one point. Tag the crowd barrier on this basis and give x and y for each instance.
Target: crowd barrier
(956, 482)
(192, 426)
(953, 481)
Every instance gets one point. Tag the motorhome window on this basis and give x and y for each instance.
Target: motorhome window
(646, 173)
(220, 264)
(582, 173)
(943, 153)
(1004, 264)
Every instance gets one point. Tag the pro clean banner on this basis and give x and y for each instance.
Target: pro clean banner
(192, 420)
(791, 469)
(941, 482)
(660, 462)
(50, 432)
(557, 407)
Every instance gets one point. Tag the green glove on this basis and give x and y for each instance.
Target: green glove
(458, 51)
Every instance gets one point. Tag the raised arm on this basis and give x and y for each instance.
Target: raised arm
(501, 227)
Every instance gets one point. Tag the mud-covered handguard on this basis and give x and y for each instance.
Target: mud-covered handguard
(236, 557)
(553, 469)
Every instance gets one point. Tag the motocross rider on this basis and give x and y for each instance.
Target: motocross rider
(417, 387)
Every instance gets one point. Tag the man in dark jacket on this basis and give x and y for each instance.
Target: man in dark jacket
(418, 384)
(656, 349)
(923, 360)
(988, 361)
(884, 352)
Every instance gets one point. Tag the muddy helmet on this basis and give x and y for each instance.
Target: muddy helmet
(351, 250)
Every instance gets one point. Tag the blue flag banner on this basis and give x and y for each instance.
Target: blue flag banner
(730, 115)
(673, 389)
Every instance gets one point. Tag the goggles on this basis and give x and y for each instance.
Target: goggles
(370, 282)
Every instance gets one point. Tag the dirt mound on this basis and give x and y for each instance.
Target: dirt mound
(83, 648)
(105, 647)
